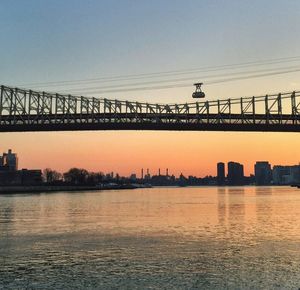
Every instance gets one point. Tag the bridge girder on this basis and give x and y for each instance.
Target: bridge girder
(28, 110)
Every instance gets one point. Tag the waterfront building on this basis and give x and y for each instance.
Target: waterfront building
(10, 160)
(10, 175)
(263, 173)
(285, 175)
(163, 180)
(235, 174)
(133, 177)
(21, 177)
(221, 173)
(148, 176)
(295, 174)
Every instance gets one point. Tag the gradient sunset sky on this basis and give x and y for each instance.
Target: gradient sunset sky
(45, 41)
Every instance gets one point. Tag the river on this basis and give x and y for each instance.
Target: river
(156, 238)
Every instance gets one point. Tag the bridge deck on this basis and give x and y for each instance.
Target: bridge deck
(146, 121)
(27, 110)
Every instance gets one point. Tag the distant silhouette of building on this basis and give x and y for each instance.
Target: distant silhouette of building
(9, 160)
(133, 177)
(10, 175)
(221, 173)
(182, 180)
(21, 177)
(147, 176)
(263, 173)
(235, 174)
(285, 175)
(163, 180)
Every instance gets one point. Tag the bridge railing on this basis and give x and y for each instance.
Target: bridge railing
(24, 103)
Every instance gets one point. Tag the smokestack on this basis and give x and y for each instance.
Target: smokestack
(147, 171)
(159, 171)
(167, 172)
(142, 173)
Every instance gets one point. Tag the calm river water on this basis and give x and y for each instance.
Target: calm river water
(159, 238)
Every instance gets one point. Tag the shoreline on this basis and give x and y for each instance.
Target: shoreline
(72, 188)
(57, 188)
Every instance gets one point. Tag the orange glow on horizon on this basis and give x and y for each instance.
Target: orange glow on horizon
(125, 152)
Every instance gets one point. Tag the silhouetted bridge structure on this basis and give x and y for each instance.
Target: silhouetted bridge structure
(28, 110)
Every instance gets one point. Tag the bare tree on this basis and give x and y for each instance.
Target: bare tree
(50, 175)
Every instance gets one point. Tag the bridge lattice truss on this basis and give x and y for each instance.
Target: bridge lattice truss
(27, 110)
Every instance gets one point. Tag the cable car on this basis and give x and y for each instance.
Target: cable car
(198, 94)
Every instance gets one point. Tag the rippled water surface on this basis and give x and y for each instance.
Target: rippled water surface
(159, 238)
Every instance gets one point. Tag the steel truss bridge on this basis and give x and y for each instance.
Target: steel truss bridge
(28, 110)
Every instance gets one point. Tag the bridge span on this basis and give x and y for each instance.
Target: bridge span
(24, 110)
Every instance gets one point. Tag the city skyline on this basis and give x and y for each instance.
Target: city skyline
(223, 170)
(194, 157)
(264, 174)
(201, 169)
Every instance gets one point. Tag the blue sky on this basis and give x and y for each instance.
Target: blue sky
(76, 39)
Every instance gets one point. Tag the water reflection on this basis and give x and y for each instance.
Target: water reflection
(263, 190)
(222, 205)
(264, 205)
(236, 209)
(7, 213)
(177, 238)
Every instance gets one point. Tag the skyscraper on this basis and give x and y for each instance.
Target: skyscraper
(263, 173)
(221, 173)
(286, 174)
(235, 174)
(10, 160)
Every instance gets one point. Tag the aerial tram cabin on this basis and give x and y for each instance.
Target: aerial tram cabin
(198, 94)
